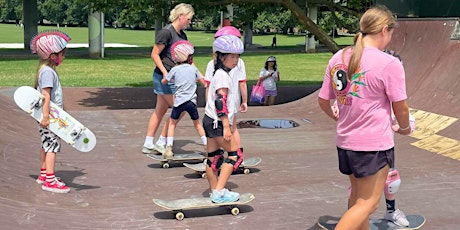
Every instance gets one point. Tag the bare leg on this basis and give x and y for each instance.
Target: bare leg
(271, 100)
(49, 162)
(163, 102)
(266, 100)
(364, 200)
(198, 127)
(42, 158)
(172, 126)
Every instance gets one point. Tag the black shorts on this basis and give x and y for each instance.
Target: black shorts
(208, 125)
(188, 106)
(364, 163)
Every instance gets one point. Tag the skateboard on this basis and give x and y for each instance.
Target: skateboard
(200, 168)
(177, 206)
(69, 129)
(165, 163)
(415, 222)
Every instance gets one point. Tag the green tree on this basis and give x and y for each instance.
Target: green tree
(10, 10)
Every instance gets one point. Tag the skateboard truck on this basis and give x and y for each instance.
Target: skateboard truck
(76, 133)
(36, 104)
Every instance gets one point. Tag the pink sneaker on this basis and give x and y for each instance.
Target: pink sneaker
(56, 187)
(42, 179)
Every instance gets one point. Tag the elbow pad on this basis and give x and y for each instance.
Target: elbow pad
(221, 105)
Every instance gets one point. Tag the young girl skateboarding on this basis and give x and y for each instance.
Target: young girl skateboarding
(184, 75)
(219, 114)
(50, 47)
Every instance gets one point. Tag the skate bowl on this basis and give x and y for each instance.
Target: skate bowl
(297, 182)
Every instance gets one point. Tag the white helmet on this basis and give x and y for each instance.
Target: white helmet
(229, 44)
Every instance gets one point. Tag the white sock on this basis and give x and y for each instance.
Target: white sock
(148, 142)
(204, 140)
(161, 140)
(169, 141)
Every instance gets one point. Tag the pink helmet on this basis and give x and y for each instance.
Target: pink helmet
(48, 42)
(228, 44)
(181, 50)
(227, 30)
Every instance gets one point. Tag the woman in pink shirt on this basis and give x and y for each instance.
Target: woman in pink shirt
(366, 83)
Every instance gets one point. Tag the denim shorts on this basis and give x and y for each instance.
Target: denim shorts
(188, 106)
(161, 89)
(364, 163)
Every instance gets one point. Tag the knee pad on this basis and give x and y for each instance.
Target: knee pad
(392, 184)
(239, 159)
(217, 161)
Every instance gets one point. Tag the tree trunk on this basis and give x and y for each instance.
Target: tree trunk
(30, 12)
(311, 26)
(247, 36)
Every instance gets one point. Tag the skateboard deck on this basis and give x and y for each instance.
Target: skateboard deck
(177, 206)
(165, 163)
(69, 129)
(415, 222)
(200, 168)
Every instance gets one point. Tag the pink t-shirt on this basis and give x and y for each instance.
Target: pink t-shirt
(365, 103)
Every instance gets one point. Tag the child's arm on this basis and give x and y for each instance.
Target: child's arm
(46, 107)
(224, 118)
(202, 82)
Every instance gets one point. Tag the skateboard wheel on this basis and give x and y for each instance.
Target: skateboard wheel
(71, 142)
(29, 111)
(41, 96)
(235, 211)
(180, 216)
(165, 165)
(203, 175)
(247, 171)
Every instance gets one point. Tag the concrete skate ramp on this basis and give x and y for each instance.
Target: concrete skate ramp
(297, 182)
(430, 50)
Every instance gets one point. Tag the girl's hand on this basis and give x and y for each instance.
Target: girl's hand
(227, 133)
(45, 122)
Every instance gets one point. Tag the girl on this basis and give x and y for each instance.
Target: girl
(269, 75)
(50, 47)
(219, 114)
(366, 83)
(238, 75)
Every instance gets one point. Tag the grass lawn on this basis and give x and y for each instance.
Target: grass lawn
(132, 67)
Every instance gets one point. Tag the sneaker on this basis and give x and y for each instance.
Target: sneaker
(146, 150)
(56, 187)
(42, 179)
(397, 217)
(168, 153)
(159, 148)
(224, 196)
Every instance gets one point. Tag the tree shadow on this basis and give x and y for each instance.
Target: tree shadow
(144, 98)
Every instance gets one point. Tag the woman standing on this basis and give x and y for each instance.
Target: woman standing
(180, 17)
(366, 83)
